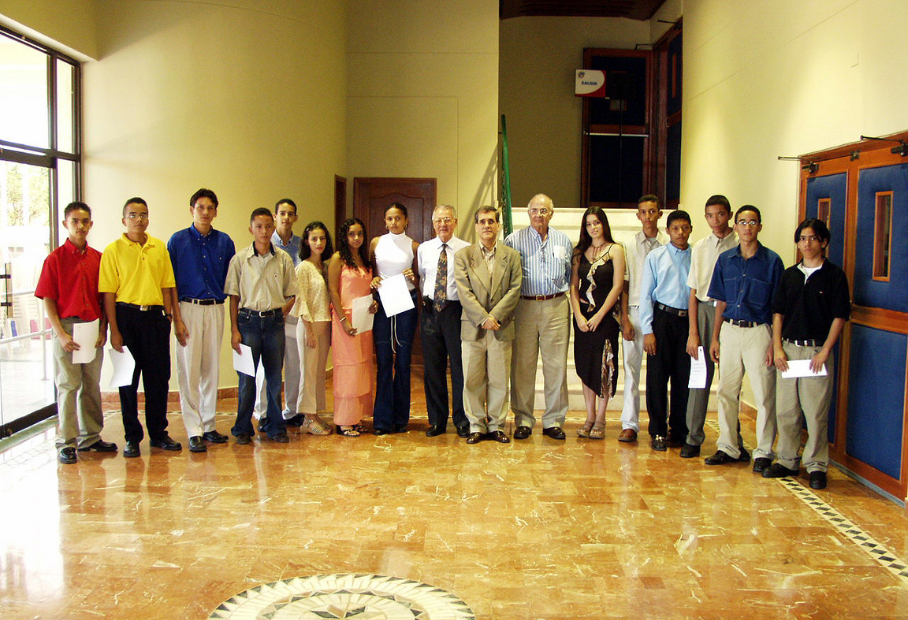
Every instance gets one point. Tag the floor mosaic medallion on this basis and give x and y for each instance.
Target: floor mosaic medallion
(355, 596)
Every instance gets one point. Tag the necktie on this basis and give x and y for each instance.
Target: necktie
(441, 280)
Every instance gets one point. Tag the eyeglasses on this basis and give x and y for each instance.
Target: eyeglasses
(751, 223)
(542, 211)
(443, 220)
(137, 216)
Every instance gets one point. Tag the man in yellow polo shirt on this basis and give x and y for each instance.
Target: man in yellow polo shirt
(136, 275)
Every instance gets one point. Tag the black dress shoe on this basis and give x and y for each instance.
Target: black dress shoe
(400, 428)
(244, 439)
(688, 451)
(674, 442)
(279, 438)
(463, 431)
(131, 450)
(761, 464)
(744, 457)
(296, 421)
(555, 432)
(719, 458)
(498, 436)
(380, 431)
(166, 443)
(475, 437)
(68, 456)
(817, 480)
(100, 446)
(522, 432)
(215, 437)
(435, 431)
(658, 443)
(197, 444)
(777, 470)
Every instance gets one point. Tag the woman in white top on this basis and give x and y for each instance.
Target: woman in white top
(313, 331)
(393, 254)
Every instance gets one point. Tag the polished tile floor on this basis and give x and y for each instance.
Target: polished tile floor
(537, 529)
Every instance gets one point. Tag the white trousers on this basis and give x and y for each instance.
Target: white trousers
(633, 361)
(313, 363)
(197, 365)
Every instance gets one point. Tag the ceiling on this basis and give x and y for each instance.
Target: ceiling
(631, 9)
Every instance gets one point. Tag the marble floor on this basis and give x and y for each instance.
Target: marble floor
(539, 529)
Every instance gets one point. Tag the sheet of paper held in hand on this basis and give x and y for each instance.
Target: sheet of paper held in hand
(801, 368)
(362, 318)
(123, 366)
(86, 336)
(395, 297)
(698, 370)
(243, 361)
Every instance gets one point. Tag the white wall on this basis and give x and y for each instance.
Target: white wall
(70, 26)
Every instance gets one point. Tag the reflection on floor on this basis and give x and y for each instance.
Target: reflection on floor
(536, 529)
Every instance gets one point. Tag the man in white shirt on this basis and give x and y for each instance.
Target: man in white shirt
(645, 241)
(440, 324)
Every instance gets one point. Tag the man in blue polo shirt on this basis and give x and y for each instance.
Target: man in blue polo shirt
(743, 284)
(200, 256)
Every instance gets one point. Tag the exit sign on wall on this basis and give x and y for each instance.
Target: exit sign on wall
(589, 83)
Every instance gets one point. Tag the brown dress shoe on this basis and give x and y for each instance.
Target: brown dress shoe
(498, 436)
(475, 437)
(628, 435)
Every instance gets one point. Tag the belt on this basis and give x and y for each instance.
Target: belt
(740, 323)
(671, 310)
(428, 302)
(805, 343)
(202, 302)
(123, 304)
(264, 313)
(711, 302)
(541, 297)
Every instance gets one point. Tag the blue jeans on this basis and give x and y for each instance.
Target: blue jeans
(265, 336)
(393, 347)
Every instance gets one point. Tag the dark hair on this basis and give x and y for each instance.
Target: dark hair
(749, 208)
(677, 214)
(649, 198)
(343, 247)
(718, 199)
(585, 240)
(397, 205)
(204, 193)
(486, 209)
(820, 229)
(305, 250)
(75, 206)
(135, 200)
(258, 212)
(285, 201)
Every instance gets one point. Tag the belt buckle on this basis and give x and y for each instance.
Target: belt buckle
(682, 312)
(143, 308)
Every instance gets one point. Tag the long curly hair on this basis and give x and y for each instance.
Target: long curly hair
(343, 247)
(585, 240)
(306, 251)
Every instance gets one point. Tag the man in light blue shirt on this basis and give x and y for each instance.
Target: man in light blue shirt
(542, 320)
(664, 299)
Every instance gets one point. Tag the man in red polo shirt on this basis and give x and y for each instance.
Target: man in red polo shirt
(69, 288)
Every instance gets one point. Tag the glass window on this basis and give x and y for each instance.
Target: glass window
(23, 94)
(882, 236)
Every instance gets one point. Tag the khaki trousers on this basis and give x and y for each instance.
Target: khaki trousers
(79, 415)
(198, 364)
(485, 382)
(313, 364)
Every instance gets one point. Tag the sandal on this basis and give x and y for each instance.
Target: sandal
(347, 431)
(598, 431)
(360, 427)
(584, 431)
(314, 425)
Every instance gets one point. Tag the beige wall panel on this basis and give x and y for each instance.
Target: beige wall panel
(68, 25)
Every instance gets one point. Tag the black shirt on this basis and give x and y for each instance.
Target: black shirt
(809, 307)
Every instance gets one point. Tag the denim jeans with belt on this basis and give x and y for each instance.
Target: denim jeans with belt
(265, 336)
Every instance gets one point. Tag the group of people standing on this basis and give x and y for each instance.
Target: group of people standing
(488, 310)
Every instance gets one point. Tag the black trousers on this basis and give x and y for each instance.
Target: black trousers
(147, 336)
(671, 362)
(440, 333)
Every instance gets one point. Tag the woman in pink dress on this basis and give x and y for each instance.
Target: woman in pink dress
(350, 277)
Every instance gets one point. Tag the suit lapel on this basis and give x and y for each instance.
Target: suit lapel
(498, 270)
(480, 269)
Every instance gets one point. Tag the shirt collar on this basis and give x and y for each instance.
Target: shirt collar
(70, 247)
(675, 250)
(197, 235)
(487, 253)
(759, 255)
(149, 241)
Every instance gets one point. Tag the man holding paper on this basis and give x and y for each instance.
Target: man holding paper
(69, 287)
(810, 308)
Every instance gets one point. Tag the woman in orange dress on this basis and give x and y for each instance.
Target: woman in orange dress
(350, 277)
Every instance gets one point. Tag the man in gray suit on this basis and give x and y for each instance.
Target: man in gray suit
(488, 277)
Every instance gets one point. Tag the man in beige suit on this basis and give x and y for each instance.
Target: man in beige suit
(488, 277)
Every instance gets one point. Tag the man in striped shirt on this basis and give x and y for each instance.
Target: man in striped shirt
(542, 320)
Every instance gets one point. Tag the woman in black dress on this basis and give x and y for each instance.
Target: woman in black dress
(597, 278)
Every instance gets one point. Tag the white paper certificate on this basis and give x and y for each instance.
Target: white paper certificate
(123, 367)
(86, 336)
(801, 368)
(362, 318)
(395, 296)
(243, 362)
(697, 371)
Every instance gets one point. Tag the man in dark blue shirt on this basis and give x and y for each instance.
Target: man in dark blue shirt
(200, 256)
(743, 284)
